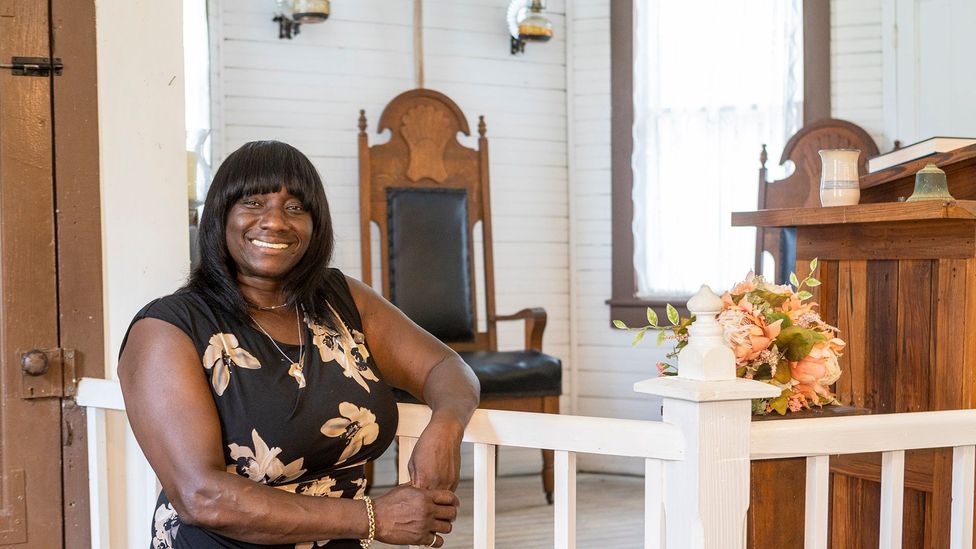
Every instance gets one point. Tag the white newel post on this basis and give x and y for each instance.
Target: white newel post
(706, 495)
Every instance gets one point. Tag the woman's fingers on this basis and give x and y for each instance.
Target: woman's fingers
(443, 526)
(445, 497)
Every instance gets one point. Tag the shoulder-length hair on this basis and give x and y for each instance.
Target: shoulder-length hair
(262, 167)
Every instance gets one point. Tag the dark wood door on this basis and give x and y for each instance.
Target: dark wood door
(30, 404)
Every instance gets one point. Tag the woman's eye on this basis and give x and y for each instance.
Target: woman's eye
(296, 208)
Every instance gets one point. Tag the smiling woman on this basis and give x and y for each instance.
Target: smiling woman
(256, 397)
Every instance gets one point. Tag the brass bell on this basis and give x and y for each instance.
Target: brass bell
(930, 184)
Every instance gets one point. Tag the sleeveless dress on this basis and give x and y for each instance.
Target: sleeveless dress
(306, 430)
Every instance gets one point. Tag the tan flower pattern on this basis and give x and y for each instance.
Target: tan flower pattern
(261, 464)
(346, 347)
(166, 524)
(223, 352)
(357, 426)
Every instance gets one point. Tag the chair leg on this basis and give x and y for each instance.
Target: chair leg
(548, 481)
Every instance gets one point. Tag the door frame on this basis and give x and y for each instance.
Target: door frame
(79, 240)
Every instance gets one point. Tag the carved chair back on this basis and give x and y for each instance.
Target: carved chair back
(427, 194)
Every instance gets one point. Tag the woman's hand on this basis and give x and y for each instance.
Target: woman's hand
(436, 459)
(407, 515)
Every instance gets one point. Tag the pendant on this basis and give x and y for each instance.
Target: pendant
(295, 371)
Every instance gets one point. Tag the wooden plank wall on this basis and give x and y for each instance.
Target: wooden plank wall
(856, 65)
(308, 91)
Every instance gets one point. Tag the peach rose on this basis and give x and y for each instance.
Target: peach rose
(815, 372)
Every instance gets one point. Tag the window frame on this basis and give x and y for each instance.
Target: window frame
(624, 303)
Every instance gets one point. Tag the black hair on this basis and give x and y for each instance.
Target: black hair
(262, 167)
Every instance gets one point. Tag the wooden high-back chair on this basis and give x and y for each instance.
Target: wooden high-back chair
(802, 188)
(428, 193)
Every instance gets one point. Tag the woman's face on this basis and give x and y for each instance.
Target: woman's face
(267, 234)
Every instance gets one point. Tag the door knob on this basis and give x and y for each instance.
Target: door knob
(34, 363)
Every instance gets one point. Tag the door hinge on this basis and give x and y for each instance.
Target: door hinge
(33, 66)
(48, 373)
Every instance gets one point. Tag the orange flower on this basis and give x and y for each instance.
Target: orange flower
(815, 372)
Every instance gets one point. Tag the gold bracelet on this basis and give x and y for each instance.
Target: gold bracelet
(371, 515)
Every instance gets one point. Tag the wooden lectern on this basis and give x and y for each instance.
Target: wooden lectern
(899, 280)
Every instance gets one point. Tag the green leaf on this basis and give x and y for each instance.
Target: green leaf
(780, 404)
(763, 373)
(804, 295)
(813, 265)
(796, 342)
(774, 299)
(773, 317)
(812, 282)
(794, 281)
(651, 317)
(661, 335)
(783, 374)
(620, 324)
(639, 337)
(673, 315)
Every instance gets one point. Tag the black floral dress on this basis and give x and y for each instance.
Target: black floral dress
(308, 430)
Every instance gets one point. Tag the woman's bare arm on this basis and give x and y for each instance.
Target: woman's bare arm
(412, 359)
(174, 418)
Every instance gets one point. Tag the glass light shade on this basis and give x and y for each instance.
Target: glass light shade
(310, 11)
(535, 28)
(839, 181)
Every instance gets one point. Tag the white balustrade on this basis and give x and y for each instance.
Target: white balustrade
(703, 448)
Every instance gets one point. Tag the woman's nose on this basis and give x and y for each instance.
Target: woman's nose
(273, 217)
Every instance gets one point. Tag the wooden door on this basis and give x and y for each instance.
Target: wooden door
(31, 365)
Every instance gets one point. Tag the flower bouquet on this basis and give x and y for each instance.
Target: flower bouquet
(777, 337)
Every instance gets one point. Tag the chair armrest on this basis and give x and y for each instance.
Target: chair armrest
(535, 324)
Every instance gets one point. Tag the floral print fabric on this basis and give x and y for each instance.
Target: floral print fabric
(312, 440)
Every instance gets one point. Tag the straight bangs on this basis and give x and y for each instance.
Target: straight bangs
(269, 168)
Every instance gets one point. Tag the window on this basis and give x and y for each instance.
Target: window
(709, 81)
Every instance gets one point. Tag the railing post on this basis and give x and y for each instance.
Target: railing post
(706, 495)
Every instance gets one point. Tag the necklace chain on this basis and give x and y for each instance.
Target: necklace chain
(269, 307)
(301, 344)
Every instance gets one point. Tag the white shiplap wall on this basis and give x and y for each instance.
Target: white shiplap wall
(606, 364)
(856, 74)
(308, 92)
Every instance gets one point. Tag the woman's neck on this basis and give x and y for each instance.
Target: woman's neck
(262, 293)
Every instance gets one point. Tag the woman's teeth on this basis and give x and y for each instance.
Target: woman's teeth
(264, 244)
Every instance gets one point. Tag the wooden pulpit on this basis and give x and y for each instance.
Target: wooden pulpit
(899, 280)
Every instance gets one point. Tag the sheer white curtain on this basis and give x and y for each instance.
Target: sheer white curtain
(713, 80)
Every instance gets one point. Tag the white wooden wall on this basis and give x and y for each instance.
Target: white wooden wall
(308, 92)
(856, 72)
(606, 365)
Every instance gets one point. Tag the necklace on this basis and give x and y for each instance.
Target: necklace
(268, 308)
(295, 369)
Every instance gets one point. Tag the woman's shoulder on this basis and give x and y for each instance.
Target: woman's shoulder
(182, 304)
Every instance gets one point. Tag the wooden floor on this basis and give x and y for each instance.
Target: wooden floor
(609, 514)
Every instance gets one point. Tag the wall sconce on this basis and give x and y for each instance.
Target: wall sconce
(290, 14)
(527, 24)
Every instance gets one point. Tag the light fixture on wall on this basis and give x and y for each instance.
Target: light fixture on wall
(291, 14)
(527, 24)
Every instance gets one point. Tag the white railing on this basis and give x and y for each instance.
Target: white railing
(567, 435)
(890, 434)
(703, 448)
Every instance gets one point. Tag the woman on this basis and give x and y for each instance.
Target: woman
(267, 380)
